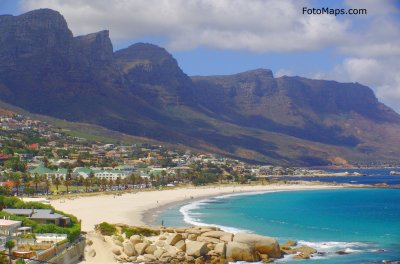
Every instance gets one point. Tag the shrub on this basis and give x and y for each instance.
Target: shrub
(106, 229)
(143, 231)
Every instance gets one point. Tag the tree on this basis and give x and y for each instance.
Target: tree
(57, 182)
(118, 182)
(67, 183)
(15, 164)
(125, 183)
(17, 181)
(36, 181)
(48, 184)
(110, 183)
(103, 183)
(46, 162)
(87, 184)
(10, 244)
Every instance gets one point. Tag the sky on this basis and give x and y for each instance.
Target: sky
(215, 37)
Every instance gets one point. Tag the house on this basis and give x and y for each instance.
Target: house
(81, 171)
(43, 216)
(9, 227)
(42, 170)
(110, 174)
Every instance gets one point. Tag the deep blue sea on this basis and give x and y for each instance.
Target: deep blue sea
(372, 176)
(362, 222)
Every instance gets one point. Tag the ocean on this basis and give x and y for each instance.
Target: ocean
(362, 223)
(372, 176)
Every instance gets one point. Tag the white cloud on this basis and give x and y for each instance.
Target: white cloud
(283, 72)
(256, 25)
(379, 74)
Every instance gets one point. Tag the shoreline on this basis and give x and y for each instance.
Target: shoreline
(142, 208)
(150, 216)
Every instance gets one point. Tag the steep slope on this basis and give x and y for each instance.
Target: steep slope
(142, 91)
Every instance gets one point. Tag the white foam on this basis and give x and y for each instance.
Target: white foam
(334, 246)
(190, 217)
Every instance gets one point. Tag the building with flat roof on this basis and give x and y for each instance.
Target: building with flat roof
(43, 216)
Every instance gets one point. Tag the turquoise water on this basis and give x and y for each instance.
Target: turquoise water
(362, 222)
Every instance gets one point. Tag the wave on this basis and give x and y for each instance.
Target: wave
(192, 217)
(330, 248)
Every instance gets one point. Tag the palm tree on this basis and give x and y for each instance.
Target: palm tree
(67, 183)
(36, 181)
(110, 183)
(10, 244)
(125, 183)
(118, 182)
(27, 186)
(87, 184)
(57, 182)
(103, 183)
(48, 184)
(17, 182)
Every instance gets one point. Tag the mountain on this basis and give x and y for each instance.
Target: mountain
(142, 91)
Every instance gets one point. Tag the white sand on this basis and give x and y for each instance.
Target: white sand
(129, 208)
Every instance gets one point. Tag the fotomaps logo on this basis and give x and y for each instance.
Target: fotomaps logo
(334, 11)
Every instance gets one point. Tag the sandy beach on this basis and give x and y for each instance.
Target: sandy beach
(130, 208)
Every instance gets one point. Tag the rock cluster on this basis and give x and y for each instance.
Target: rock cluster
(195, 245)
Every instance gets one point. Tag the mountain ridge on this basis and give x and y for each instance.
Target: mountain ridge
(142, 91)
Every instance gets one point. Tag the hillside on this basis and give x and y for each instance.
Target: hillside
(141, 91)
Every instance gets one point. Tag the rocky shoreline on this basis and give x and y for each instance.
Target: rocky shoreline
(193, 245)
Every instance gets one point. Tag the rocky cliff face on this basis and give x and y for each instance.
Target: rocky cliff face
(155, 75)
(142, 91)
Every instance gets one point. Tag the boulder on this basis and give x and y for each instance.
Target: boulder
(211, 246)
(89, 242)
(262, 244)
(194, 232)
(149, 257)
(212, 253)
(92, 253)
(141, 247)
(150, 249)
(208, 239)
(199, 260)
(305, 249)
(237, 251)
(129, 249)
(181, 245)
(135, 239)
(302, 255)
(196, 248)
(290, 243)
(341, 252)
(160, 243)
(192, 237)
(158, 253)
(173, 238)
(132, 259)
(165, 258)
(220, 249)
(140, 259)
(171, 250)
(181, 229)
(228, 237)
(117, 242)
(116, 251)
(189, 258)
(215, 234)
